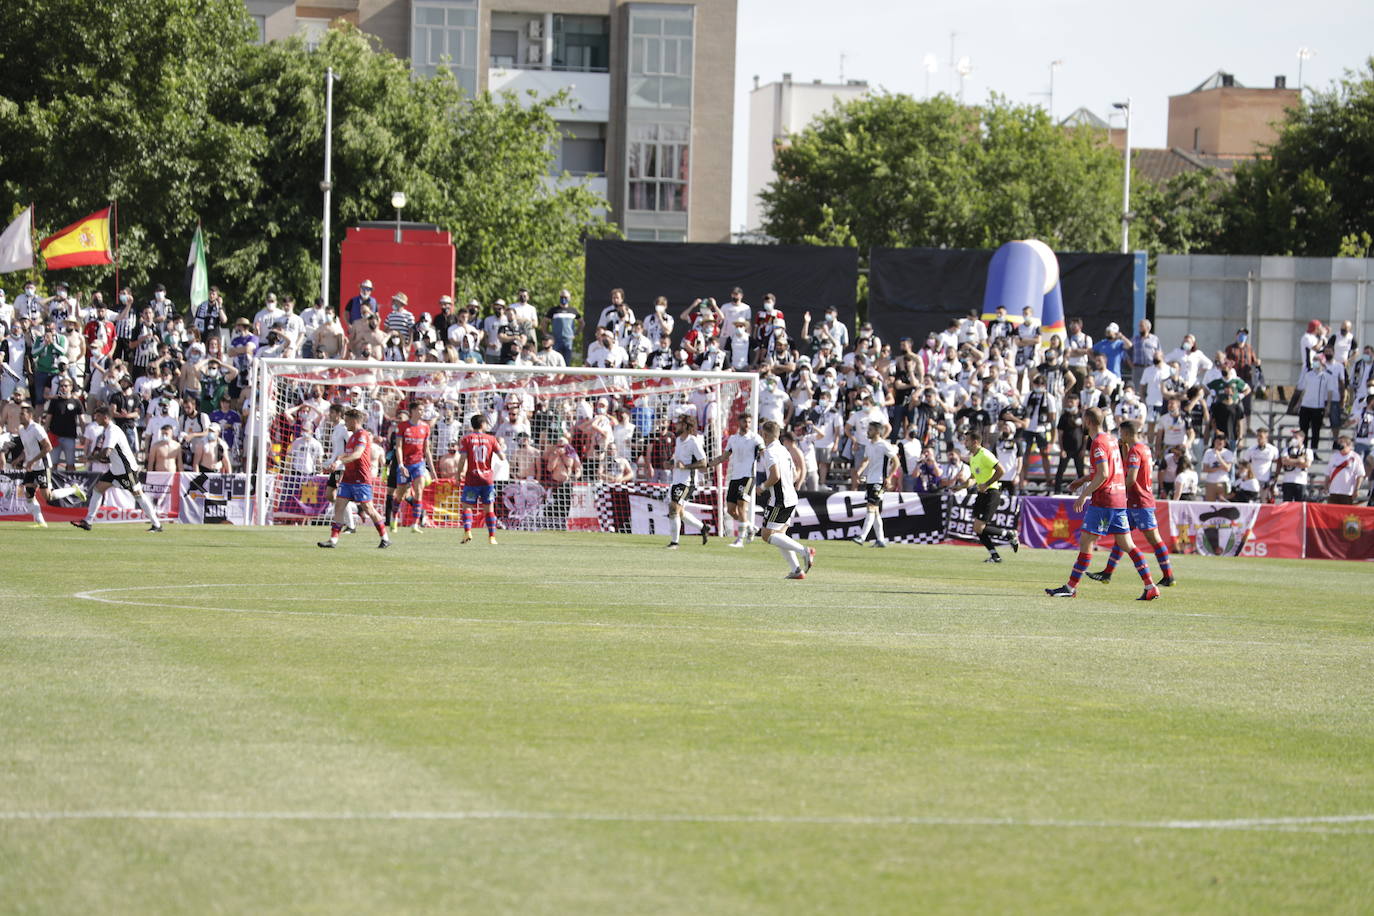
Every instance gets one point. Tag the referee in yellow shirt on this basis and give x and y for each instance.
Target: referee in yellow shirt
(987, 472)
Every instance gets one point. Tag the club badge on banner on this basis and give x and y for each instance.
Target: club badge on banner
(1212, 529)
(959, 513)
(1340, 532)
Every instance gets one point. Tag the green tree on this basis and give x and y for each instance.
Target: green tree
(111, 100)
(477, 167)
(1181, 215)
(169, 107)
(1314, 193)
(891, 170)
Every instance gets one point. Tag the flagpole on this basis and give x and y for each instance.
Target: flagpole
(114, 227)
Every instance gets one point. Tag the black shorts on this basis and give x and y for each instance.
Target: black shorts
(391, 471)
(41, 479)
(125, 481)
(1029, 439)
(333, 482)
(778, 516)
(985, 504)
(738, 489)
(680, 492)
(873, 494)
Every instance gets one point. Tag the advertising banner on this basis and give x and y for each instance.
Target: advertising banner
(959, 513)
(1212, 529)
(1279, 532)
(1340, 532)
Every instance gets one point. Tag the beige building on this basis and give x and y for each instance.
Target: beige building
(651, 122)
(777, 110)
(1220, 117)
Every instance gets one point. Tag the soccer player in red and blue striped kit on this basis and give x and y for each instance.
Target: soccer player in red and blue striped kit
(476, 450)
(1107, 514)
(1140, 505)
(356, 485)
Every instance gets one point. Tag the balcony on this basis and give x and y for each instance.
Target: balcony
(591, 92)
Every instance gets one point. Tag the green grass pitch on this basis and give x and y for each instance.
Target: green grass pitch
(217, 720)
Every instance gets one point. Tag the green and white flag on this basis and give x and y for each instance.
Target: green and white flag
(197, 277)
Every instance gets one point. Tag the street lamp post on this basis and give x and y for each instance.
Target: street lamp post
(398, 200)
(326, 185)
(1054, 66)
(1126, 181)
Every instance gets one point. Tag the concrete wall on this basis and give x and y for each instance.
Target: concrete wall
(1211, 296)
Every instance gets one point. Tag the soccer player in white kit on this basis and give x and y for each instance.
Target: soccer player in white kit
(880, 458)
(36, 464)
(742, 450)
(689, 456)
(782, 492)
(113, 447)
(338, 445)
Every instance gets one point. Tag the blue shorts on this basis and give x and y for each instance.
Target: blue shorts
(478, 493)
(1142, 519)
(355, 492)
(1101, 520)
(408, 472)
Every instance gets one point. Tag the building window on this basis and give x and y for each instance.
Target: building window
(660, 73)
(582, 43)
(655, 235)
(260, 23)
(505, 47)
(444, 32)
(312, 31)
(582, 150)
(657, 167)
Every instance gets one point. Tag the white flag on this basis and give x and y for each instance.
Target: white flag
(16, 244)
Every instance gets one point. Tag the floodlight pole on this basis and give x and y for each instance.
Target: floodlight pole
(1126, 181)
(326, 185)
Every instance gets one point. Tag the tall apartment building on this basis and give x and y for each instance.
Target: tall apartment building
(777, 110)
(651, 121)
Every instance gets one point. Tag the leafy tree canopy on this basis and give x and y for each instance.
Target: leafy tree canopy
(170, 108)
(891, 170)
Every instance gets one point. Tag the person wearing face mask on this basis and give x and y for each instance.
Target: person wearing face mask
(1319, 388)
(29, 304)
(772, 400)
(126, 322)
(658, 322)
(1364, 435)
(1144, 346)
(15, 361)
(1294, 461)
(160, 304)
(367, 340)
(828, 429)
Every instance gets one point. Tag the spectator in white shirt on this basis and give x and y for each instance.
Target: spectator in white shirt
(1344, 472)
(605, 353)
(1192, 361)
(1217, 462)
(1294, 461)
(1262, 458)
(267, 316)
(1320, 385)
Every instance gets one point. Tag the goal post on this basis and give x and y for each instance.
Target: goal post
(585, 448)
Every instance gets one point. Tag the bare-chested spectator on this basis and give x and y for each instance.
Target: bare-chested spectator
(164, 452)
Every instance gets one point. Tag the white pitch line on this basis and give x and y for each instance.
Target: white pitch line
(99, 594)
(1323, 822)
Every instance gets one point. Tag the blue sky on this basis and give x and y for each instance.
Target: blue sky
(1147, 51)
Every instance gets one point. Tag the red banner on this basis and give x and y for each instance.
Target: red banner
(1278, 532)
(1340, 532)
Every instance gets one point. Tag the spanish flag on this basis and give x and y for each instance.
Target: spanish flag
(86, 241)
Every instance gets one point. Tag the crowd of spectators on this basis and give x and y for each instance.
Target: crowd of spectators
(178, 383)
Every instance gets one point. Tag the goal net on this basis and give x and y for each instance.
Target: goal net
(585, 448)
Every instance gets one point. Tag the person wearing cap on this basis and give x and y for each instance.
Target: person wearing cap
(401, 321)
(605, 353)
(444, 319)
(491, 331)
(1113, 347)
(361, 305)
